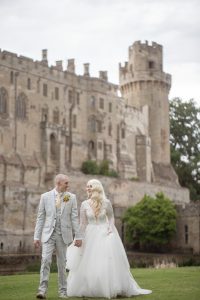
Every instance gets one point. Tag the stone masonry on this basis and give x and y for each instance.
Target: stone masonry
(51, 120)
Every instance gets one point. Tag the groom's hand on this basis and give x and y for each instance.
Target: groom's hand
(37, 243)
(78, 243)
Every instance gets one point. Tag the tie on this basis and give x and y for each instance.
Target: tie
(58, 200)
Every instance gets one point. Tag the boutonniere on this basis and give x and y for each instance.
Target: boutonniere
(66, 198)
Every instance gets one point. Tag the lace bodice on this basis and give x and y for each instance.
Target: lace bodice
(105, 216)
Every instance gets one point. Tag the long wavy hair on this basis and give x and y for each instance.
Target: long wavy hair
(97, 195)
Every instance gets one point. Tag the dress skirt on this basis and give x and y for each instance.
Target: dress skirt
(100, 268)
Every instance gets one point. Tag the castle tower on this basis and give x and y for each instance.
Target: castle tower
(143, 82)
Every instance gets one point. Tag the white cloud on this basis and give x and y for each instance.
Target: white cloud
(100, 32)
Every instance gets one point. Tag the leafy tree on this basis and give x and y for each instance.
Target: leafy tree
(150, 223)
(185, 144)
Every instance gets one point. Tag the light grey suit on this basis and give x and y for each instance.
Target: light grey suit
(45, 230)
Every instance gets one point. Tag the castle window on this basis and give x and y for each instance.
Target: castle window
(92, 102)
(45, 114)
(101, 103)
(38, 85)
(92, 124)
(67, 140)
(28, 83)
(110, 129)
(186, 234)
(74, 121)
(21, 106)
(11, 77)
(45, 90)
(53, 144)
(3, 101)
(110, 107)
(70, 96)
(56, 93)
(56, 116)
(1, 246)
(151, 64)
(91, 145)
(99, 126)
(78, 98)
(110, 148)
(1, 138)
(123, 133)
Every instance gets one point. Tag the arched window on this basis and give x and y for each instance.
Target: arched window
(3, 101)
(11, 77)
(92, 102)
(123, 130)
(21, 104)
(92, 124)
(56, 116)
(53, 143)
(110, 129)
(91, 150)
(29, 84)
(45, 114)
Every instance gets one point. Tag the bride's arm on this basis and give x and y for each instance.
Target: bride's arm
(110, 217)
(83, 219)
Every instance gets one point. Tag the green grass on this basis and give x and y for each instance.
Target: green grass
(167, 284)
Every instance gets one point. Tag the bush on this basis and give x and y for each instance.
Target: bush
(91, 167)
(151, 223)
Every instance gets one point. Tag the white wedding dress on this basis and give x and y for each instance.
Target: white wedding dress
(100, 267)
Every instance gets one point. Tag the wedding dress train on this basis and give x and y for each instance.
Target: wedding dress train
(100, 268)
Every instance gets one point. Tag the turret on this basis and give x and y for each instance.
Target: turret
(143, 82)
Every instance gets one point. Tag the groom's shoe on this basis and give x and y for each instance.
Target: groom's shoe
(41, 296)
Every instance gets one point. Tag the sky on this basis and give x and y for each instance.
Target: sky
(99, 32)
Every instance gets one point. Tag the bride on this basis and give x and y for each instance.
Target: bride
(100, 267)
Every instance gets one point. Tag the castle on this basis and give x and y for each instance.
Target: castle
(52, 120)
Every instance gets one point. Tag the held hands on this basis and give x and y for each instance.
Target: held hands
(78, 243)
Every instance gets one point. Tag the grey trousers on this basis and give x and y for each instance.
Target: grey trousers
(54, 243)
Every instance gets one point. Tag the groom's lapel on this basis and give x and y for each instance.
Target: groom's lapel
(52, 199)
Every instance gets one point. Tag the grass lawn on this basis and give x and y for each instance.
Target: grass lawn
(167, 284)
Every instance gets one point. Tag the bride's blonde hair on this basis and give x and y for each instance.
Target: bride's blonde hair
(97, 195)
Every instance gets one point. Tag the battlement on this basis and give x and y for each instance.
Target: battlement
(42, 67)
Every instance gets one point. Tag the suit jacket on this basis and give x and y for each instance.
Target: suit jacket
(46, 218)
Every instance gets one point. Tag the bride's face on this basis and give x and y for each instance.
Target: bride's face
(89, 189)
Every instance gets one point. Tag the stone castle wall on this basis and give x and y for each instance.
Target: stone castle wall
(51, 120)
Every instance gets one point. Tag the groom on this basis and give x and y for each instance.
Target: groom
(56, 220)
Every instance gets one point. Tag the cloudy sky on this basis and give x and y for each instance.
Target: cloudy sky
(100, 32)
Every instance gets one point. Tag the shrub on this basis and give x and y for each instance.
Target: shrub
(90, 167)
(151, 223)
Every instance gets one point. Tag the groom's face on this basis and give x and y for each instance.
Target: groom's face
(63, 185)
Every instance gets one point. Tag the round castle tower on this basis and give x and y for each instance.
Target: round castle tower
(143, 82)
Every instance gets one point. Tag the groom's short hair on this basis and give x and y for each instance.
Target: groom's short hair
(59, 177)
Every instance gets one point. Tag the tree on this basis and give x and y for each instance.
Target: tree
(150, 223)
(185, 144)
